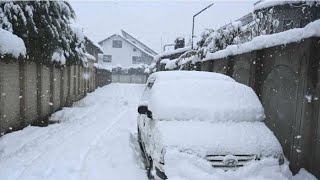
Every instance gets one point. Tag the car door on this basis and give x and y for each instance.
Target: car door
(143, 120)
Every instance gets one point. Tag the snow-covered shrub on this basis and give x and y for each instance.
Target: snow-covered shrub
(264, 23)
(210, 42)
(45, 27)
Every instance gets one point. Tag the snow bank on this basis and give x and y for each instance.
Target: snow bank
(271, 3)
(167, 53)
(304, 175)
(204, 100)
(266, 41)
(187, 75)
(205, 138)
(11, 44)
(183, 166)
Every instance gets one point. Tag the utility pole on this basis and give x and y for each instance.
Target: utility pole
(193, 22)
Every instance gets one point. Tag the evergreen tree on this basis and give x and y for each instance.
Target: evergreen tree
(45, 27)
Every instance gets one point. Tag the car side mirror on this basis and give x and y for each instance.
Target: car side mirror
(145, 110)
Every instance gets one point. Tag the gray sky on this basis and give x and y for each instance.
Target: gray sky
(155, 23)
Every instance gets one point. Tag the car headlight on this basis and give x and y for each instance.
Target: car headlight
(280, 158)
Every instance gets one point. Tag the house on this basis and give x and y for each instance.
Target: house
(92, 48)
(93, 51)
(125, 50)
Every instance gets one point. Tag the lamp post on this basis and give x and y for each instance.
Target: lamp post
(193, 22)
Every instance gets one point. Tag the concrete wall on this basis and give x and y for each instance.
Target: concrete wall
(45, 93)
(30, 92)
(10, 97)
(127, 78)
(285, 78)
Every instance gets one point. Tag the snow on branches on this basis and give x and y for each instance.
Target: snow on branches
(210, 42)
(44, 26)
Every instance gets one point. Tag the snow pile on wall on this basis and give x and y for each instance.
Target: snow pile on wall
(205, 138)
(271, 3)
(58, 56)
(11, 44)
(266, 41)
(204, 100)
(184, 166)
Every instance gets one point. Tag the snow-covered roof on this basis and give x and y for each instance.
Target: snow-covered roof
(203, 100)
(133, 44)
(11, 44)
(128, 36)
(266, 41)
(168, 53)
(205, 138)
(270, 3)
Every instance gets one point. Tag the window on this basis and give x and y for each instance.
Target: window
(287, 24)
(134, 49)
(136, 60)
(107, 58)
(117, 44)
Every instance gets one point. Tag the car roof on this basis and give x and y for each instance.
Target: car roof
(163, 76)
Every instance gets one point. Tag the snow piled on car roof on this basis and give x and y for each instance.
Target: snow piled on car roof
(180, 75)
(205, 138)
(204, 100)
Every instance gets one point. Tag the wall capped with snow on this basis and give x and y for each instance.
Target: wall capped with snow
(285, 77)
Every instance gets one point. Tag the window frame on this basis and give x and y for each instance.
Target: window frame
(116, 44)
(136, 60)
(107, 58)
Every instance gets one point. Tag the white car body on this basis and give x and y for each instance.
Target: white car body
(205, 114)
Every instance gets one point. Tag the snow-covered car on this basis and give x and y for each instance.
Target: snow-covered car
(204, 114)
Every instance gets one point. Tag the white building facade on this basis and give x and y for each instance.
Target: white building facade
(125, 51)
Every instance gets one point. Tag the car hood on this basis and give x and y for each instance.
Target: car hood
(205, 138)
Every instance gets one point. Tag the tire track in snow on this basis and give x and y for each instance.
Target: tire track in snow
(67, 138)
(108, 130)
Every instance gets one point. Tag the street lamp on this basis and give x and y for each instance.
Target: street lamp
(193, 22)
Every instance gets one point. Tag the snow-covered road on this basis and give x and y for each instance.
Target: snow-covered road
(92, 141)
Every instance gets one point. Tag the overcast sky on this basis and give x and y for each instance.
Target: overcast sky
(155, 23)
